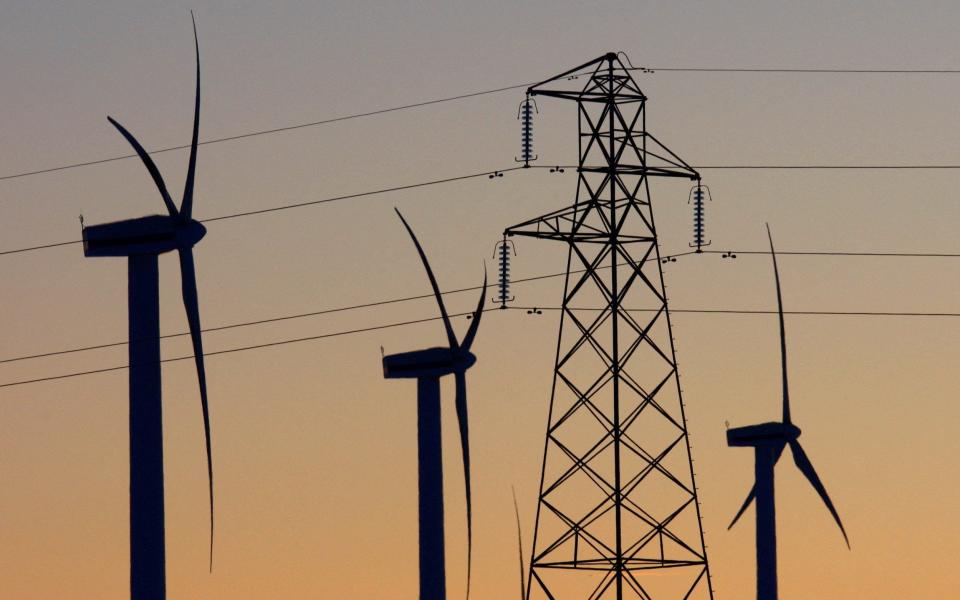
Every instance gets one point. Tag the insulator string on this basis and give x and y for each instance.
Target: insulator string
(698, 194)
(525, 114)
(502, 253)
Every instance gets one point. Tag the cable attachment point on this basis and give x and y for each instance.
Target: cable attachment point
(525, 114)
(501, 252)
(698, 195)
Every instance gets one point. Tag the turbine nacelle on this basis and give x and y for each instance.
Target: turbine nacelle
(432, 362)
(764, 434)
(154, 234)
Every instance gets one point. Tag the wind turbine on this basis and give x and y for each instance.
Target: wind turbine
(427, 367)
(768, 441)
(142, 240)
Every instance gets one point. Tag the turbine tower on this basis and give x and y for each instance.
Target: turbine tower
(768, 441)
(617, 513)
(142, 240)
(427, 367)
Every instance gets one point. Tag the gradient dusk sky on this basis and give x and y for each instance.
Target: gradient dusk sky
(314, 452)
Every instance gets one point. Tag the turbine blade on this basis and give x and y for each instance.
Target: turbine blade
(516, 511)
(186, 207)
(753, 493)
(451, 338)
(191, 304)
(806, 467)
(475, 323)
(461, 402)
(743, 508)
(783, 334)
(151, 166)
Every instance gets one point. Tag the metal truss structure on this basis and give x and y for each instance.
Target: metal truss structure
(617, 515)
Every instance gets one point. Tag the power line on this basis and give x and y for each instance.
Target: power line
(358, 195)
(487, 173)
(731, 311)
(531, 308)
(839, 253)
(237, 325)
(251, 134)
(819, 313)
(43, 247)
(830, 167)
(273, 319)
(298, 204)
(262, 132)
(833, 167)
(469, 289)
(233, 350)
(798, 70)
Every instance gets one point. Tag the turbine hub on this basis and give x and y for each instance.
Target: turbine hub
(190, 233)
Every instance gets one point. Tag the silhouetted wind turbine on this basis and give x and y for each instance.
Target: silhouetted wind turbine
(427, 367)
(769, 441)
(142, 240)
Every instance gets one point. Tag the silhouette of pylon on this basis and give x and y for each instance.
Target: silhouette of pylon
(617, 514)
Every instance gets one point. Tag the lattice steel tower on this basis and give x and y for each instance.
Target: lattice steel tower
(618, 515)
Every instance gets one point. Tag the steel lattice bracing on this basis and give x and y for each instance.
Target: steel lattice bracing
(617, 515)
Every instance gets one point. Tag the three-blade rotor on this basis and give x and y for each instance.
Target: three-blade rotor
(462, 360)
(791, 433)
(188, 233)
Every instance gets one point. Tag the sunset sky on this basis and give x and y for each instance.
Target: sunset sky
(314, 452)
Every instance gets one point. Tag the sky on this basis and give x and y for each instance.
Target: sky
(314, 452)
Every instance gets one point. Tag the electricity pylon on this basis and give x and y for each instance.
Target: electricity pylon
(617, 515)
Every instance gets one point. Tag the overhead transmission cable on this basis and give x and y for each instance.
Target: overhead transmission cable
(282, 207)
(398, 188)
(240, 349)
(756, 167)
(474, 288)
(271, 320)
(273, 130)
(740, 311)
(261, 132)
(799, 167)
(428, 319)
(487, 173)
(377, 303)
(532, 309)
(798, 70)
(840, 253)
